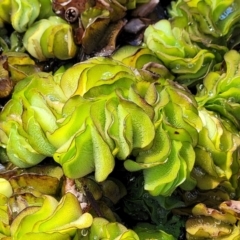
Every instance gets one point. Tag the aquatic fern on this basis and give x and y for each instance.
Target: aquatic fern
(220, 90)
(22, 14)
(6, 188)
(25, 113)
(174, 47)
(41, 216)
(213, 19)
(101, 110)
(214, 223)
(102, 229)
(50, 38)
(46, 221)
(219, 139)
(217, 157)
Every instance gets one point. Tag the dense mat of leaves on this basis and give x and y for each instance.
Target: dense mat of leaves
(99, 137)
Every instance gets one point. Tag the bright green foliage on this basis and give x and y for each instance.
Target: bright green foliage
(5, 8)
(23, 120)
(22, 14)
(220, 91)
(123, 108)
(102, 229)
(5, 188)
(97, 76)
(45, 35)
(142, 58)
(208, 22)
(47, 221)
(4, 216)
(135, 56)
(49, 38)
(37, 216)
(115, 124)
(195, 38)
(100, 110)
(171, 155)
(219, 139)
(217, 157)
(174, 48)
(29, 207)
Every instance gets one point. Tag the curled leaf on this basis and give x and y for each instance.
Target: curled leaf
(47, 220)
(6, 188)
(175, 49)
(214, 223)
(219, 92)
(103, 229)
(105, 111)
(23, 14)
(49, 38)
(6, 84)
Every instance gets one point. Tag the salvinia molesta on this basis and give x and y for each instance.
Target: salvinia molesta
(217, 160)
(214, 223)
(50, 38)
(101, 110)
(22, 14)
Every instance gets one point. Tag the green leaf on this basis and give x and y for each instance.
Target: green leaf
(168, 172)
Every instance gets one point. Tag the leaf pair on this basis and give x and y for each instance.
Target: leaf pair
(50, 38)
(174, 47)
(53, 220)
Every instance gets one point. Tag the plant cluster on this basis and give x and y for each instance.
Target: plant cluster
(164, 114)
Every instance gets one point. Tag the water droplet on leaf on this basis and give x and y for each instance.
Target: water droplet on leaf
(177, 66)
(231, 99)
(210, 93)
(190, 65)
(200, 87)
(106, 75)
(84, 232)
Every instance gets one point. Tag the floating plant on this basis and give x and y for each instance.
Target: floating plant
(91, 126)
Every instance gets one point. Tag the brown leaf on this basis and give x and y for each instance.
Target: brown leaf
(35, 183)
(232, 207)
(6, 84)
(108, 42)
(93, 34)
